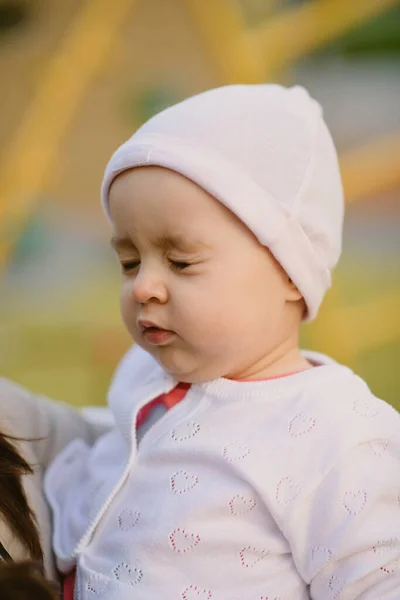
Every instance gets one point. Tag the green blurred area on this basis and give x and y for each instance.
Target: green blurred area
(379, 365)
(378, 36)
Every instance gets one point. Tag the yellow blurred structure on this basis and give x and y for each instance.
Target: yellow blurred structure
(372, 169)
(34, 150)
(241, 55)
(255, 55)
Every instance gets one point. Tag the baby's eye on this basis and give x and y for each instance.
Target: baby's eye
(179, 265)
(130, 266)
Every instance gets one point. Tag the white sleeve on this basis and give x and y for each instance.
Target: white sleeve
(46, 424)
(345, 536)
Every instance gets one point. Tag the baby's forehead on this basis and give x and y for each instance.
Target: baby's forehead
(177, 239)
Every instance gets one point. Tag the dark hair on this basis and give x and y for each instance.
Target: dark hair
(24, 581)
(20, 580)
(14, 507)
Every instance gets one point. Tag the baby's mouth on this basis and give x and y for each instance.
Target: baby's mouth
(155, 335)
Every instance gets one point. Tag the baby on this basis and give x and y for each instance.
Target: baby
(239, 468)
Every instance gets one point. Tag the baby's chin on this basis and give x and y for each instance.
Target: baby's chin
(185, 376)
(183, 364)
(187, 373)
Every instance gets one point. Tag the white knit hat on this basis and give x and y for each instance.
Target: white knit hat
(264, 152)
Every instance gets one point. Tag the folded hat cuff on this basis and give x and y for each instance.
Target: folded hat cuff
(271, 222)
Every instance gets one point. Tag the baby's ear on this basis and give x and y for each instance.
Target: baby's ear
(293, 292)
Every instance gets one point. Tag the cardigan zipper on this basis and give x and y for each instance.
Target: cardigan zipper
(89, 531)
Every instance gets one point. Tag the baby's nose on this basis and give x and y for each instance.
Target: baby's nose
(148, 287)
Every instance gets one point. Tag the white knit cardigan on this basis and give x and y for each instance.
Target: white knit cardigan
(284, 489)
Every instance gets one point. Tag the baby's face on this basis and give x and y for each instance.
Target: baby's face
(198, 290)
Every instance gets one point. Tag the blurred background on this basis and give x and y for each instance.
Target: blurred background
(78, 76)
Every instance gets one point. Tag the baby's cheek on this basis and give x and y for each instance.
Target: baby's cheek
(198, 314)
(127, 308)
(213, 332)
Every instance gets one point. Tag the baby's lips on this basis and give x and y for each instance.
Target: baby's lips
(144, 324)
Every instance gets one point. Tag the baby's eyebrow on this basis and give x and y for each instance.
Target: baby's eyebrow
(165, 242)
(120, 243)
(180, 241)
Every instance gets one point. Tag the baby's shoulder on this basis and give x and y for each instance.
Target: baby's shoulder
(332, 425)
(345, 411)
